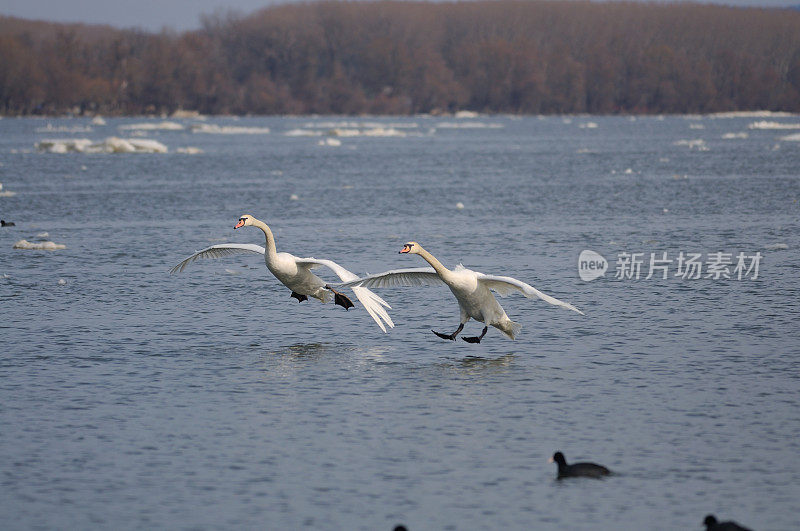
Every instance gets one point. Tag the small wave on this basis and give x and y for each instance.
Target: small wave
(39, 246)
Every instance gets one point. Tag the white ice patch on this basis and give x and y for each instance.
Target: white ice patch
(98, 120)
(50, 128)
(791, 138)
(750, 114)
(732, 136)
(468, 125)
(776, 246)
(302, 132)
(150, 126)
(373, 132)
(773, 125)
(38, 246)
(189, 150)
(333, 142)
(7, 193)
(215, 129)
(588, 125)
(109, 145)
(699, 144)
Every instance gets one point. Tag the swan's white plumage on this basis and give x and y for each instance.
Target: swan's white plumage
(470, 288)
(218, 251)
(295, 273)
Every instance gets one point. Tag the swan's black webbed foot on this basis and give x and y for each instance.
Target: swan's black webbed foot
(300, 298)
(451, 337)
(341, 299)
(476, 339)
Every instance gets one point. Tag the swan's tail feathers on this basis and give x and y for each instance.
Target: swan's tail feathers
(510, 328)
(374, 306)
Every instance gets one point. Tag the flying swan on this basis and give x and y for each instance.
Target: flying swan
(295, 273)
(471, 289)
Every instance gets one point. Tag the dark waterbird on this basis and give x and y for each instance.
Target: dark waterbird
(4, 223)
(712, 525)
(578, 470)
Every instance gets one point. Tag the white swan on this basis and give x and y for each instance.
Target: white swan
(295, 273)
(471, 289)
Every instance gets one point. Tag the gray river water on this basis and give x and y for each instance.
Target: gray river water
(135, 399)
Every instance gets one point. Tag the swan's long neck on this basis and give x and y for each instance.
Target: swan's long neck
(271, 249)
(441, 270)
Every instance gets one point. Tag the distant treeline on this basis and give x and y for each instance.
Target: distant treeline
(411, 57)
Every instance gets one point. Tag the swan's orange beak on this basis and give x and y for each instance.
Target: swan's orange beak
(405, 249)
(239, 225)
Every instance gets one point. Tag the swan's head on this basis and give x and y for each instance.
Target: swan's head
(244, 221)
(411, 247)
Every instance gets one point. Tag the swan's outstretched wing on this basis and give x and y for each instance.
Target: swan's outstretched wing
(216, 251)
(506, 285)
(415, 276)
(371, 302)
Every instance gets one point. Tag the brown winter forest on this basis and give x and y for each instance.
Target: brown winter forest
(410, 57)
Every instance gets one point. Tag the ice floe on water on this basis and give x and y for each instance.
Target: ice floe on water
(773, 125)
(699, 144)
(151, 126)
(189, 150)
(791, 138)
(7, 193)
(466, 114)
(468, 125)
(732, 136)
(751, 114)
(302, 132)
(333, 142)
(98, 120)
(38, 246)
(50, 128)
(215, 129)
(776, 247)
(588, 125)
(373, 132)
(109, 145)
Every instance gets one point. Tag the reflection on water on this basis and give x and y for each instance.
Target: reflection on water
(479, 364)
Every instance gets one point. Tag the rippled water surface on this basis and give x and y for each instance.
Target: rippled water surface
(132, 398)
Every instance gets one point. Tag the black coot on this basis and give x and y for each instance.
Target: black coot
(578, 470)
